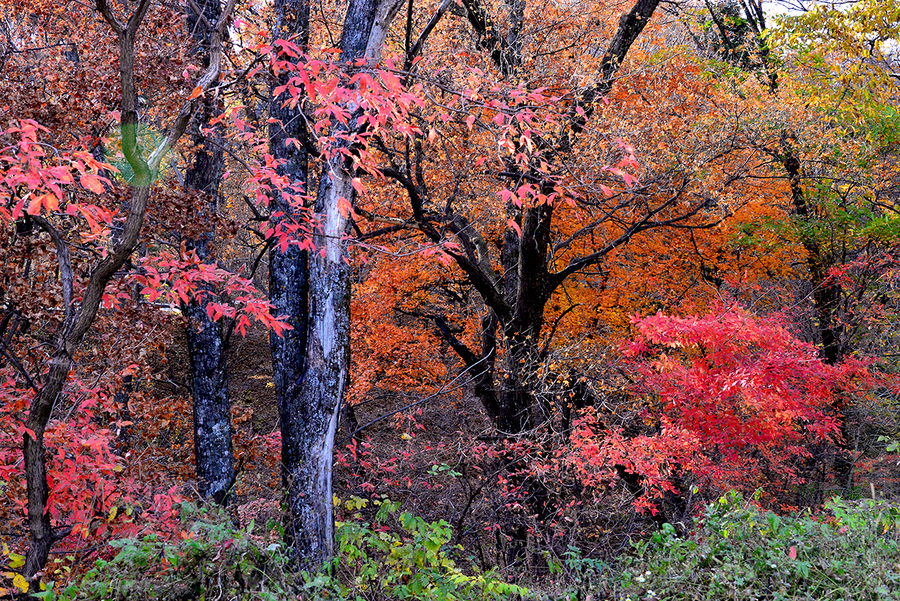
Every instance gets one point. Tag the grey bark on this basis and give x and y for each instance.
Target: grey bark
(288, 268)
(312, 415)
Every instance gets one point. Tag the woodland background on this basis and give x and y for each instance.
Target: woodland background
(579, 269)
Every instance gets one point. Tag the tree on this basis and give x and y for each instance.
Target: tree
(315, 364)
(830, 154)
(207, 343)
(562, 215)
(81, 301)
(288, 263)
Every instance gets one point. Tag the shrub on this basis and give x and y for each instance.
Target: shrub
(741, 552)
(398, 556)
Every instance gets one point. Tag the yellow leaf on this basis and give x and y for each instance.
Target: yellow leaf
(113, 513)
(20, 583)
(16, 560)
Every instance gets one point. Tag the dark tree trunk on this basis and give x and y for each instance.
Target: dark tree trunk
(826, 297)
(206, 346)
(212, 408)
(314, 383)
(289, 269)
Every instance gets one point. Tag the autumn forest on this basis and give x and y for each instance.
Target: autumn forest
(449, 299)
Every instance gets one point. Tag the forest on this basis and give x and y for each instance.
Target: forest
(449, 299)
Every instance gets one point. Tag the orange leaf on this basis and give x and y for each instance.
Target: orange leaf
(197, 91)
(92, 183)
(34, 207)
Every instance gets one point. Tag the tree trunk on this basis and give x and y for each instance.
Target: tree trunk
(207, 350)
(826, 297)
(322, 373)
(212, 407)
(288, 267)
(324, 380)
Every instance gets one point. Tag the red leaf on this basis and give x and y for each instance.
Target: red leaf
(92, 183)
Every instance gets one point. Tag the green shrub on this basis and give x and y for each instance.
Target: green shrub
(851, 551)
(399, 556)
(410, 561)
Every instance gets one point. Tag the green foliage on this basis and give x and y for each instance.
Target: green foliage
(399, 556)
(740, 552)
(213, 560)
(727, 36)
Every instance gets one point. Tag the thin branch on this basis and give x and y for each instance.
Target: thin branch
(546, 350)
(66, 277)
(19, 366)
(432, 23)
(211, 75)
(137, 17)
(443, 389)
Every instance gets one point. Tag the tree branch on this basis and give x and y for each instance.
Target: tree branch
(109, 17)
(66, 277)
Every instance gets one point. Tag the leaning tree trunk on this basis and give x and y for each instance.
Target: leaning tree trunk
(207, 350)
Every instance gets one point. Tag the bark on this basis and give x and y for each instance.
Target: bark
(314, 382)
(324, 382)
(288, 268)
(212, 408)
(213, 453)
(79, 318)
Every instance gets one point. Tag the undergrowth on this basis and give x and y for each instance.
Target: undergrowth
(851, 550)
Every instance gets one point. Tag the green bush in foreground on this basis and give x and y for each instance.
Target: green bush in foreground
(850, 551)
(398, 557)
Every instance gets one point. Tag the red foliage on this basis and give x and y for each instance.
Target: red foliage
(730, 398)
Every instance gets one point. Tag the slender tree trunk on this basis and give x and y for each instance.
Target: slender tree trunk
(826, 297)
(207, 350)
